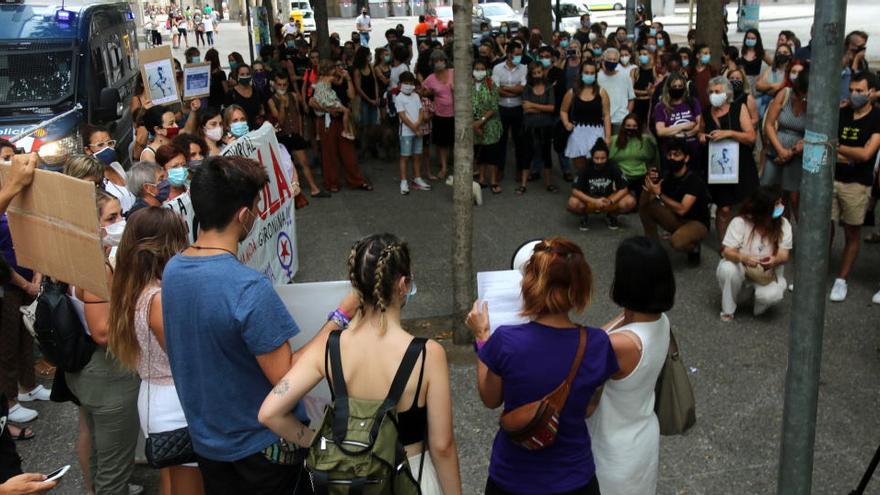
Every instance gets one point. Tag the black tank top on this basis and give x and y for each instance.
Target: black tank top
(752, 67)
(587, 113)
(412, 424)
(368, 83)
(646, 78)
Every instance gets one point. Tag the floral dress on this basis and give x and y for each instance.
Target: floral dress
(485, 98)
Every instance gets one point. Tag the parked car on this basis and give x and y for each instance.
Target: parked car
(498, 12)
(308, 20)
(569, 13)
(300, 5)
(595, 5)
(444, 15)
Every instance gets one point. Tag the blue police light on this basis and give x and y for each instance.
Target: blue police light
(64, 16)
(129, 16)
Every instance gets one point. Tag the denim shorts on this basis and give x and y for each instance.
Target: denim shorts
(411, 145)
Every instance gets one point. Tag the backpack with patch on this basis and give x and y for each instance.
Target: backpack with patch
(357, 449)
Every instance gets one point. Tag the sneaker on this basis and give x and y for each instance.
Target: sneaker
(39, 393)
(838, 291)
(694, 257)
(135, 489)
(21, 414)
(876, 298)
(419, 183)
(584, 225)
(404, 187)
(612, 222)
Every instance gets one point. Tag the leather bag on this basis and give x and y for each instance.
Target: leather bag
(674, 401)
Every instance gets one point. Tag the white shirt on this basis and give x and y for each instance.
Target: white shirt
(394, 79)
(504, 76)
(410, 104)
(290, 28)
(619, 87)
(125, 197)
(741, 235)
(363, 22)
(208, 22)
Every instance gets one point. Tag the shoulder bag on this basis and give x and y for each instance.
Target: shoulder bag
(534, 426)
(673, 395)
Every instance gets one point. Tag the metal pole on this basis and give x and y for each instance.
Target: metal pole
(631, 18)
(808, 309)
(690, 15)
(250, 29)
(556, 16)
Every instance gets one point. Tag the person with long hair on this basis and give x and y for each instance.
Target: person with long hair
(161, 123)
(137, 338)
(211, 130)
(701, 72)
(244, 95)
(643, 86)
(367, 87)
(518, 364)
(679, 116)
(172, 158)
(586, 113)
(773, 79)
(624, 429)
(217, 96)
(742, 93)
(753, 55)
(635, 151)
(757, 244)
(371, 349)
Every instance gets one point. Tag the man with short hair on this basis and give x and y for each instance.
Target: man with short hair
(510, 78)
(859, 137)
(582, 35)
(364, 26)
(679, 203)
(618, 84)
(148, 182)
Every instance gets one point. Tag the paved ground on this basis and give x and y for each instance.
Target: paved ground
(737, 369)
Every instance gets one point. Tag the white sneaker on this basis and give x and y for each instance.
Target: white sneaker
(21, 414)
(876, 298)
(135, 489)
(419, 183)
(39, 393)
(838, 291)
(404, 187)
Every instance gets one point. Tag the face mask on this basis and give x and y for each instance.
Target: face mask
(586, 24)
(440, 66)
(624, 60)
(793, 76)
(631, 132)
(260, 79)
(676, 93)
(676, 164)
(113, 233)
(782, 59)
(661, 42)
(387, 58)
(737, 85)
(597, 52)
(857, 100)
(778, 210)
(610, 66)
(170, 132)
(516, 59)
(644, 59)
(503, 29)
(197, 59)
(244, 80)
(192, 165)
(652, 32)
(563, 43)
(705, 59)
(479, 75)
(214, 133)
(107, 156)
(717, 99)
(410, 294)
(233, 65)
(588, 79)
(592, 36)
(652, 48)
(685, 62)
(407, 88)
(177, 176)
(546, 62)
(239, 129)
(164, 188)
(290, 44)
(751, 42)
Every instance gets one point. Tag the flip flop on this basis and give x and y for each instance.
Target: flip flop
(552, 188)
(496, 189)
(366, 186)
(520, 190)
(24, 433)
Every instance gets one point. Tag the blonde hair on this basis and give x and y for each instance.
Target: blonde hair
(81, 166)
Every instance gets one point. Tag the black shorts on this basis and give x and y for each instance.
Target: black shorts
(443, 131)
(293, 142)
(486, 154)
(182, 31)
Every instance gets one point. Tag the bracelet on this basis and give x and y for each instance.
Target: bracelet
(340, 318)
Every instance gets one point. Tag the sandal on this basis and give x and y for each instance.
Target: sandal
(726, 318)
(496, 189)
(24, 433)
(520, 190)
(44, 370)
(321, 194)
(366, 186)
(552, 188)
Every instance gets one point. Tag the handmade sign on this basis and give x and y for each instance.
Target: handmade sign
(196, 81)
(157, 69)
(723, 162)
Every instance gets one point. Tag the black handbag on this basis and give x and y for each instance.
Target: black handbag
(59, 330)
(167, 448)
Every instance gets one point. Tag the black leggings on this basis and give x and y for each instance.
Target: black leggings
(591, 488)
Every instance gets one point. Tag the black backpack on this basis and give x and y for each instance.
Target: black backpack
(59, 330)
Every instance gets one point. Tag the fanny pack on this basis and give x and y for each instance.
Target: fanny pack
(534, 426)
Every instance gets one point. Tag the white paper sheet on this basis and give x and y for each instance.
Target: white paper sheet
(501, 289)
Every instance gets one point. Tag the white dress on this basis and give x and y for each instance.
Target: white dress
(624, 430)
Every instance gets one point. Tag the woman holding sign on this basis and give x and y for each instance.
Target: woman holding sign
(728, 123)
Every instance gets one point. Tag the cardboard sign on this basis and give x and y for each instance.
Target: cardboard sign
(182, 205)
(157, 69)
(55, 230)
(196, 81)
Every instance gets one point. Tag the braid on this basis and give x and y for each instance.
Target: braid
(378, 289)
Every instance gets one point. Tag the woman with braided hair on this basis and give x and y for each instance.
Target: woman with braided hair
(371, 350)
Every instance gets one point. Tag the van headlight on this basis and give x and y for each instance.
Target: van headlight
(55, 152)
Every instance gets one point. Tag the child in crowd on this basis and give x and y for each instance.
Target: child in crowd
(327, 98)
(412, 115)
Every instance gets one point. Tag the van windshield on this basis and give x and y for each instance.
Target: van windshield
(35, 74)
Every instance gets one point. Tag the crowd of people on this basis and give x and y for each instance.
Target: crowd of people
(179, 22)
(636, 124)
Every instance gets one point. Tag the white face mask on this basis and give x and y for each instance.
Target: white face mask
(479, 75)
(407, 88)
(717, 99)
(214, 133)
(113, 233)
(624, 60)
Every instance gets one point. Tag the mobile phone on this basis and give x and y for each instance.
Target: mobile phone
(656, 175)
(571, 52)
(57, 474)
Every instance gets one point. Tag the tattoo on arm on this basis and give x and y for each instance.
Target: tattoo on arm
(281, 388)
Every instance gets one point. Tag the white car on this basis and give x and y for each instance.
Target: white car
(498, 12)
(570, 12)
(308, 20)
(300, 5)
(598, 5)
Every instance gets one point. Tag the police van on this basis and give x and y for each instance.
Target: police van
(70, 62)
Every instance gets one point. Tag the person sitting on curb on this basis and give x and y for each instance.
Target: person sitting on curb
(679, 203)
(600, 188)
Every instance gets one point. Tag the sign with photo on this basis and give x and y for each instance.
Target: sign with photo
(157, 69)
(196, 81)
(724, 162)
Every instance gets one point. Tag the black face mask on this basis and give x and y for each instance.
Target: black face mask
(737, 86)
(631, 132)
(676, 165)
(782, 59)
(676, 93)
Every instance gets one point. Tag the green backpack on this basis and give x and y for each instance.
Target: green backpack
(356, 450)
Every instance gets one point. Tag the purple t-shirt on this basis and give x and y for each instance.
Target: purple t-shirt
(680, 113)
(532, 360)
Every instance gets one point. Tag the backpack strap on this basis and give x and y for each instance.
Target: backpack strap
(337, 387)
(398, 385)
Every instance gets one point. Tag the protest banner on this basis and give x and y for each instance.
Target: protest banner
(271, 245)
(55, 230)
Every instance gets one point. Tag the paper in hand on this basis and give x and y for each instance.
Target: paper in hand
(501, 289)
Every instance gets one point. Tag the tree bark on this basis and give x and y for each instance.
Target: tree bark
(269, 5)
(462, 196)
(539, 16)
(710, 23)
(323, 31)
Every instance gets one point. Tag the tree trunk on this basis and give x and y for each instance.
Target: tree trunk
(710, 23)
(462, 196)
(649, 9)
(539, 16)
(269, 5)
(323, 31)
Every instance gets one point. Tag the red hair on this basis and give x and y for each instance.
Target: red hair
(556, 279)
(787, 83)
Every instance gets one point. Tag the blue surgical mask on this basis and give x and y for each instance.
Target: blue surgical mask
(685, 62)
(239, 129)
(661, 42)
(644, 59)
(705, 59)
(652, 32)
(563, 43)
(503, 29)
(107, 156)
(290, 44)
(588, 79)
(516, 59)
(750, 42)
(177, 176)
(597, 52)
(196, 59)
(164, 189)
(778, 211)
(412, 292)
(546, 62)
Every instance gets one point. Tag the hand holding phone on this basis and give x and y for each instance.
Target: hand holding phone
(57, 474)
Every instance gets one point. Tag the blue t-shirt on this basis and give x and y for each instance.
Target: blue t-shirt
(219, 315)
(532, 360)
